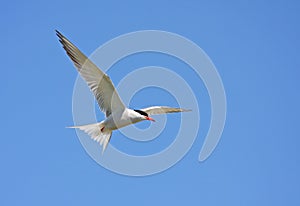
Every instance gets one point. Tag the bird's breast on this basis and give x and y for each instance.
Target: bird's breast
(119, 120)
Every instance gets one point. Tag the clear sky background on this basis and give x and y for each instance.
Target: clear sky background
(255, 46)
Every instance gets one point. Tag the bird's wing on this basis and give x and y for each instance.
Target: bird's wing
(99, 83)
(162, 110)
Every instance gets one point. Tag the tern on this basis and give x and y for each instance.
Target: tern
(117, 114)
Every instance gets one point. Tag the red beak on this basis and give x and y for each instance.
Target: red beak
(149, 118)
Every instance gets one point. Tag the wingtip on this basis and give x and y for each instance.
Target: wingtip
(60, 36)
(187, 110)
(57, 32)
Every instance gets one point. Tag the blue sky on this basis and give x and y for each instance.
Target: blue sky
(253, 44)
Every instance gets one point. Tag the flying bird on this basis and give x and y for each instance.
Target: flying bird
(117, 114)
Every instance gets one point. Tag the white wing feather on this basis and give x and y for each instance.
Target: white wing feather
(99, 83)
(162, 110)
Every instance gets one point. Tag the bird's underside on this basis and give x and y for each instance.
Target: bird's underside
(117, 114)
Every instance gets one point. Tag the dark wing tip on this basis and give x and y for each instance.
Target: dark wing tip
(70, 49)
(62, 38)
(58, 34)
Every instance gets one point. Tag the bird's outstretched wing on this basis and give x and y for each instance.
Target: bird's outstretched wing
(162, 110)
(99, 83)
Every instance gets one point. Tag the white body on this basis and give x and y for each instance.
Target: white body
(121, 119)
(117, 114)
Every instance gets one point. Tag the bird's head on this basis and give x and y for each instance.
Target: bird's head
(144, 115)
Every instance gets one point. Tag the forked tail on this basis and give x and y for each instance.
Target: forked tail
(94, 130)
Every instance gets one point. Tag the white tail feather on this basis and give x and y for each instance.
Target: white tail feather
(94, 130)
